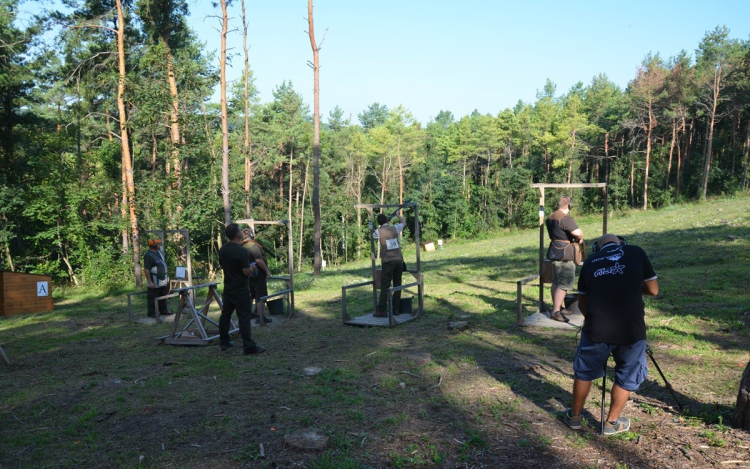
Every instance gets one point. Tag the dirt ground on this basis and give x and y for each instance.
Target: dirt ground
(419, 395)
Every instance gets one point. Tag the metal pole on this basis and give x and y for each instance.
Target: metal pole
(669, 386)
(290, 254)
(189, 264)
(541, 247)
(604, 392)
(606, 210)
(417, 240)
(373, 261)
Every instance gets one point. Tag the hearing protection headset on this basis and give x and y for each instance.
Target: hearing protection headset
(570, 201)
(595, 247)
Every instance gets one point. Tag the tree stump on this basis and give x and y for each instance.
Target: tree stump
(307, 439)
(742, 411)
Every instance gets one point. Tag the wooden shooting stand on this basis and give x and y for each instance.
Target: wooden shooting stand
(370, 319)
(541, 317)
(195, 332)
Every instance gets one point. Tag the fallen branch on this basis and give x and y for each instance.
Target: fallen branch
(440, 381)
(511, 426)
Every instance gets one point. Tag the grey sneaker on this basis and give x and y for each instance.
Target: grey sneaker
(574, 422)
(621, 425)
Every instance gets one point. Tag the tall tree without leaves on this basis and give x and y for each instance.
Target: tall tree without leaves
(316, 139)
(715, 62)
(224, 116)
(246, 86)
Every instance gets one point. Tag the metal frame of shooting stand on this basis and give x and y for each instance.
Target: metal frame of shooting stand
(392, 320)
(197, 318)
(287, 293)
(540, 318)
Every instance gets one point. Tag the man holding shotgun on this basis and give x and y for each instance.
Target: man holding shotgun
(391, 259)
(611, 288)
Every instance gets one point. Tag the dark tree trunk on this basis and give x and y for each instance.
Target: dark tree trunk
(742, 410)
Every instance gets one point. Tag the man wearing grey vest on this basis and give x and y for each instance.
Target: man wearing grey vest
(391, 260)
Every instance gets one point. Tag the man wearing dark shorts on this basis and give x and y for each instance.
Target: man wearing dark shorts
(610, 296)
(392, 262)
(562, 232)
(235, 262)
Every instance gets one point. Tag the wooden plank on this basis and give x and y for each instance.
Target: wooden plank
(29, 295)
(9, 301)
(573, 185)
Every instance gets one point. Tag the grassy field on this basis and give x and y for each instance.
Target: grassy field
(87, 388)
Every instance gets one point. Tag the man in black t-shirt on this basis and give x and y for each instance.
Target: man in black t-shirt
(610, 290)
(235, 262)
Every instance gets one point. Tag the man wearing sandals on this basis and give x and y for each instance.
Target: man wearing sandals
(563, 231)
(610, 296)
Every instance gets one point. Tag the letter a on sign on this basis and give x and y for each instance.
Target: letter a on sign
(42, 289)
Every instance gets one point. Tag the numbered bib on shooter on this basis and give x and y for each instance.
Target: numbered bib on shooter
(391, 244)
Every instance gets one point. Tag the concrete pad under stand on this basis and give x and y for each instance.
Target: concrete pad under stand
(543, 320)
(370, 320)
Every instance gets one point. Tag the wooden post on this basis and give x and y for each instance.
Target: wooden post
(417, 238)
(290, 266)
(606, 211)
(373, 260)
(541, 247)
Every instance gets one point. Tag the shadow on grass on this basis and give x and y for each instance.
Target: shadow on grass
(84, 360)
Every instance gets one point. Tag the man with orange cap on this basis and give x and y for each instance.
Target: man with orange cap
(157, 278)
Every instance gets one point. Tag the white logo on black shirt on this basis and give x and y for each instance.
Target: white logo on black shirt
(613, 270)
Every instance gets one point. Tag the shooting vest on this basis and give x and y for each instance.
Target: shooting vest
(390, 251)
(158, 271)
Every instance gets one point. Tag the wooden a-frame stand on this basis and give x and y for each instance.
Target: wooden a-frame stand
(195, 332)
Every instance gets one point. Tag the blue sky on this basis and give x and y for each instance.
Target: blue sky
(457, 55)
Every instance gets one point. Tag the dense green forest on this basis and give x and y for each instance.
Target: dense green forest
(107, 129)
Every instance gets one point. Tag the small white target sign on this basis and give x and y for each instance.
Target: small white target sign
(42, 288)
